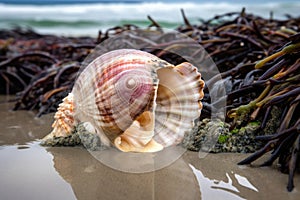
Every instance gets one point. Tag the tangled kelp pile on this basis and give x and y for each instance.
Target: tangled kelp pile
(258, 59)
(42, 67)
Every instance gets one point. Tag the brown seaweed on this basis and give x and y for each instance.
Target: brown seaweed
(258, 57)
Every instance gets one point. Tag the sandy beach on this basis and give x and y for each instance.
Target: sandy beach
(30, 171)
(243, 96)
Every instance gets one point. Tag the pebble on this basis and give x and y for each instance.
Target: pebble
(214, 136)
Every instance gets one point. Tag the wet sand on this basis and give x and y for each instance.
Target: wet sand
(30, 171)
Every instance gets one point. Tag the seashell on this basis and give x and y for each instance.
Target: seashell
(64, 122)
(134, 100)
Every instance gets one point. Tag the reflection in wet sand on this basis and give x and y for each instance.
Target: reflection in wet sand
(138, 162)
(243, 181)
(29, 171)
(29, 174)
(91, 179)
(212, 189)
(214, 177)
(19, 127)
(221, 172)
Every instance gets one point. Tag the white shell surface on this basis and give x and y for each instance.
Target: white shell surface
(64, 122)
(114, 90)
(120, 86)
(178, 102)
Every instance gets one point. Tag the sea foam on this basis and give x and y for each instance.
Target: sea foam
(89, 18)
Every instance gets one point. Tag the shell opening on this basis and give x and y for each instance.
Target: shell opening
(138, 137)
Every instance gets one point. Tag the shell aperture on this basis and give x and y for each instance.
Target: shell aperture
(135, 101)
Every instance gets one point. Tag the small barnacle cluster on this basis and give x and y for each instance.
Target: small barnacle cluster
(215, 136)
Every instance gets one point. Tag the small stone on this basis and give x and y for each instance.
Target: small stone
(80, 136)
(214, 136)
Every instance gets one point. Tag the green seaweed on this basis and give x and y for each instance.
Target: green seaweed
(234, 131)
(222, 139)
(254, 123)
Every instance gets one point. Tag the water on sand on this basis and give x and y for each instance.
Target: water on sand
(30, 171)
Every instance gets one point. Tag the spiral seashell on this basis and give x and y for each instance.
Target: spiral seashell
(64, 122)
(134, 100)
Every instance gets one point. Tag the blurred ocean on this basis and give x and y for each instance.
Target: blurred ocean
(79, 17)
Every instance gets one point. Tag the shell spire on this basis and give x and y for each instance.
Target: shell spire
(64, 122)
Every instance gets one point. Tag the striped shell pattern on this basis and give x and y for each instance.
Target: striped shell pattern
(135, 101)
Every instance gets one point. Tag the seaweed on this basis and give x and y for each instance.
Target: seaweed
(258, 58)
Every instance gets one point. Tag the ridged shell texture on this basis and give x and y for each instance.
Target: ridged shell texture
(137, 101)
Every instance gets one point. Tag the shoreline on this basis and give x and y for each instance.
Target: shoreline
(23, 159)
(42, 70)
(87, 19)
